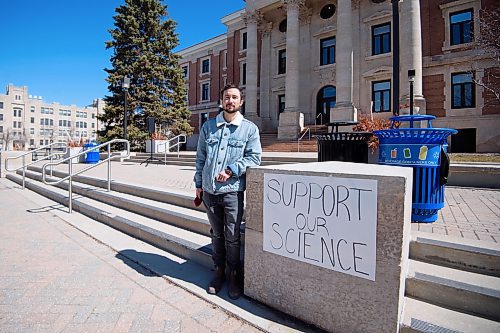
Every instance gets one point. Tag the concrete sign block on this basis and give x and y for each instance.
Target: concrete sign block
(328, 242)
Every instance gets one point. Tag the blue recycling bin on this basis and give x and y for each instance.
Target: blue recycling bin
(424, 149)
(91, 155)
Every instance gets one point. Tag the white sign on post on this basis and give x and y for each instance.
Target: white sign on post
(324, 221)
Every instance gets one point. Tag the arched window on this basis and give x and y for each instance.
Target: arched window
(324, 103)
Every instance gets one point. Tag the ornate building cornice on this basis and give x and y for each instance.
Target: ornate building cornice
(266, 28)
(293, 4)
(251, 16)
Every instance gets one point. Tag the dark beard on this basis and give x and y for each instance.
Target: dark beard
(232, 111)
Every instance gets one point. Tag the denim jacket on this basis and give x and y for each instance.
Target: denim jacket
(222, 145)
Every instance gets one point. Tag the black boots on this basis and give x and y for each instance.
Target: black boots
(216, 284)
(234, 288)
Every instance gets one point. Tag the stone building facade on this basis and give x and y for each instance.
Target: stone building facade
(27, 121)
(305, 62)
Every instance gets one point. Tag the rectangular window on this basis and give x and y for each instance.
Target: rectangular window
(14, 124)
(381, 96)
(205, 96)
(185, 71)
(41, 142)
(281, 104)
(244, 74)
(244, 41)
(32, 142)
(327, 51)
(1, 105)
(461, 27)
(32, 120)
(462, 91)
(381, 39)
(17, 112)
(205, 66)
(32, 131)
(1, 129)
(281, 61)
(1, 117)
(32, 109)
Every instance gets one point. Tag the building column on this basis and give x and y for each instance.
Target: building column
(344, 109)
(265, 76)
(411, 56)
(289, 123)
(252, 18)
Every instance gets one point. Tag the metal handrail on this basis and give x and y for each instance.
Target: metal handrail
(24, 165)
(178, 144)
(308, 130)
(70, 167)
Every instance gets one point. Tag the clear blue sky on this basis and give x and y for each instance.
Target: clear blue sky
(56, 47)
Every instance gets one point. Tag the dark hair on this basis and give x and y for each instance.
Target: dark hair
(227, 87)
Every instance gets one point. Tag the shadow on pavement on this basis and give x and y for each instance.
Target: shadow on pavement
(150, 264)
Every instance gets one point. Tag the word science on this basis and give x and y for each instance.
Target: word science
(324, 221)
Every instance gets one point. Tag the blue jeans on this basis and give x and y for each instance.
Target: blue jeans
(225, 212)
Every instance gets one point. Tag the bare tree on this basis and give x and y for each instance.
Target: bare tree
(488, 44)
(8, 137)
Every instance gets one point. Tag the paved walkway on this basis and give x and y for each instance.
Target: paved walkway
(470, 213)
(54, 278)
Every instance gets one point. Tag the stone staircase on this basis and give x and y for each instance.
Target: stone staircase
(451, 286)
(270, 142)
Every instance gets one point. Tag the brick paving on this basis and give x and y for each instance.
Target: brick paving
(54, 278)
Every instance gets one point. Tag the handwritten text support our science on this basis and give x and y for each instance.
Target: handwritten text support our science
(325, 221)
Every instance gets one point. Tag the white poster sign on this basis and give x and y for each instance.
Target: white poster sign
(324, 221)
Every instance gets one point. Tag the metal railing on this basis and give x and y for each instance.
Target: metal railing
(23, 156)
(70, 167)
(178, 145)
(308, 130)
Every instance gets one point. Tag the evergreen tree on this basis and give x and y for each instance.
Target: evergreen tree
(143, 41)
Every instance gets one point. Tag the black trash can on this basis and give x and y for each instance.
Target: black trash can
(424, 149)
(343, 146)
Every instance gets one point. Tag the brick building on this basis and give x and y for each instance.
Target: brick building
(26, 121)
(305, 62)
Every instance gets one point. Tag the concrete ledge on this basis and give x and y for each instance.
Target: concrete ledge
(466, 254)
(475, 175)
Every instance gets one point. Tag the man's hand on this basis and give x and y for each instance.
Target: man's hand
(198, 192)
(222, 176)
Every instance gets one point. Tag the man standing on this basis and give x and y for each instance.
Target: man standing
(227, 146)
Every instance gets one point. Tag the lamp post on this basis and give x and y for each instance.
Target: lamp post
(125, 86)
(411, 79)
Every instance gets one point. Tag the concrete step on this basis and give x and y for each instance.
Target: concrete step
(181, 242)
(466, 292)
(464, 254)
(182, 217)
(422, 317)
(156, 194)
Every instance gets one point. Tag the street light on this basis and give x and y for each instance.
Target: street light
(411, 79)
(125, 86)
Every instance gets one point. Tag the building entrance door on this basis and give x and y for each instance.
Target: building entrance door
(325, 102)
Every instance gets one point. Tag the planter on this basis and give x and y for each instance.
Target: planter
(159, 146)
(71, 151)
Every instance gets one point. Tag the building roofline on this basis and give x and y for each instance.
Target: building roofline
(201, 45)
(232, 18)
